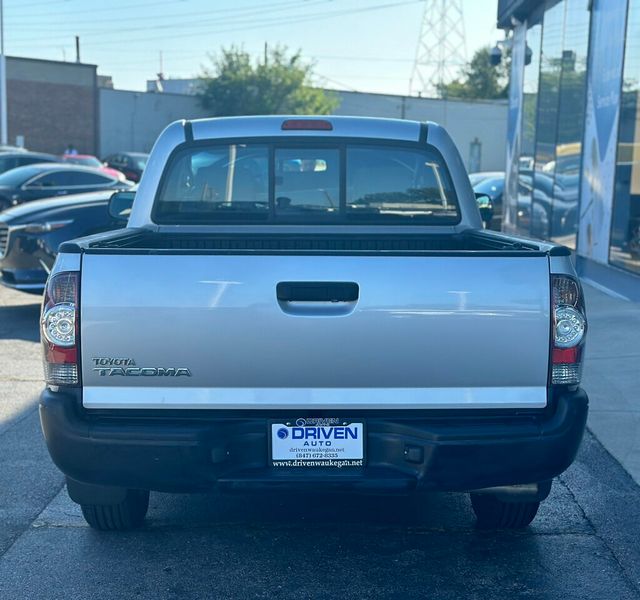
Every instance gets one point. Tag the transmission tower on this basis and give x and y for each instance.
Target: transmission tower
(441, 47)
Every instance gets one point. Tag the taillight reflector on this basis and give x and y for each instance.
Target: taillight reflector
(565, 355)
(307, 124)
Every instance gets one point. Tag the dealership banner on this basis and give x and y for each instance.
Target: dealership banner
(514, 125)
(604, 82)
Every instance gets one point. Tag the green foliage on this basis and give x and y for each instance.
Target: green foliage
(479, 79)
(279, 84)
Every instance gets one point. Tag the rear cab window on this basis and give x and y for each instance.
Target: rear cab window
(308, 183)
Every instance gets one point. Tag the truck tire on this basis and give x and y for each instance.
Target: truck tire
(123, 516)
(492, 513)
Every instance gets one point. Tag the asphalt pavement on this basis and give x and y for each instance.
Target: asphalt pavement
(584, 543)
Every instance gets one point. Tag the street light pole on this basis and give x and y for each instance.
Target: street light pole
(4, 136)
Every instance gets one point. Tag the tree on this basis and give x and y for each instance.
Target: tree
(280, 84)
(480, 79)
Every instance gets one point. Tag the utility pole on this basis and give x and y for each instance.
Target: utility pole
(441, 48)
(4, 134)
(77, 48)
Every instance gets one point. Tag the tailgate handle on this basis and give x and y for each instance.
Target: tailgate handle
(317, 291)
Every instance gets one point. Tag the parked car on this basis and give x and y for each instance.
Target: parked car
(31, 233)
(131, 164)
(46, 180)
(11, 160)
(548, 205)
(310, 303)
(490, 183)
(88, 160)
(479, 176)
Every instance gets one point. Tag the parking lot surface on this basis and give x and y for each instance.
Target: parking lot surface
(584, 543)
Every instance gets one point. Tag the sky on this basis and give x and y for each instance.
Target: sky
(363, 45)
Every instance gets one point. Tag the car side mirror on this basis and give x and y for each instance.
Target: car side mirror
(485, 205)
(120, 205)
(483, 200)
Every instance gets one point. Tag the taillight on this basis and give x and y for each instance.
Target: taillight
(59, 328)
(569, 328)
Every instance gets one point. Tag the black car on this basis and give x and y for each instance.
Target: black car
(132, 164)
(46, 180)
(31, 233)
(11, 160)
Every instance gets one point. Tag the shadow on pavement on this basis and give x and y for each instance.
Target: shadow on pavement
(20, 322)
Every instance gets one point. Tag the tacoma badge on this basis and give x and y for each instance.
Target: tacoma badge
(126, 367)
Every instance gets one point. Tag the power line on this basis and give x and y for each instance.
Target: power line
(247, 18)
(269, 22)
(29, 22)
(272, 22)
(76, 11)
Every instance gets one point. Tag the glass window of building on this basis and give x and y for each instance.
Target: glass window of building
(547, 123)
(571, 110)
(530, 84)
(625, 227)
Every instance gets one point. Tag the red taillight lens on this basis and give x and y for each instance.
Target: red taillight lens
(59, 328)
(307, 124)
(569, 327)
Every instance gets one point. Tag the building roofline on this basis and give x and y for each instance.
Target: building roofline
(413, 97)
(58, 62)
(150, 93)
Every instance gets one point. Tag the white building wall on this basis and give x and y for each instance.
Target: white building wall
(466, 121)
(132, 120)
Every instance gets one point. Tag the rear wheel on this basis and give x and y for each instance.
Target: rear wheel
(125, 515)
(493, 513)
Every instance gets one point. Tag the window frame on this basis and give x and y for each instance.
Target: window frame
(307, 142)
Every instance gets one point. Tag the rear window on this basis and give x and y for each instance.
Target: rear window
(314, 184)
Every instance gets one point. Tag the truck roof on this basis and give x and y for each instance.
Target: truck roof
(272, 126)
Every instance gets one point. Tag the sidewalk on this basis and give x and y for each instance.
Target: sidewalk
(611, 376)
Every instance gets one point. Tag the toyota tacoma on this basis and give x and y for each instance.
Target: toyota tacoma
(310, 303)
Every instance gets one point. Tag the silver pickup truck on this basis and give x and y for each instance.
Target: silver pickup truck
(312, 304)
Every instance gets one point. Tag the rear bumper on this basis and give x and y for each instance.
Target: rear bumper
(405, 451)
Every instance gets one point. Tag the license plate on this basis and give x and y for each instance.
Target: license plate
(317, 443)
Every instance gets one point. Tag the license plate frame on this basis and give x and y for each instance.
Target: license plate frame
(340, 453)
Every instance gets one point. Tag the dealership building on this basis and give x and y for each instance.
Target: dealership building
(573, 132)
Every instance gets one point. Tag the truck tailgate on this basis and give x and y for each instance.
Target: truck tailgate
(209, 331)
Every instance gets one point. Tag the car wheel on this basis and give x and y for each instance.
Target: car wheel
(125, 515)
(493, 513)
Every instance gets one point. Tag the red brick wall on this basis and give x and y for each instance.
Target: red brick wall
(52, 115)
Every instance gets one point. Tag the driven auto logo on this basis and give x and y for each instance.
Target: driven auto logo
(126, 367)
(283, 433)
(324, 433)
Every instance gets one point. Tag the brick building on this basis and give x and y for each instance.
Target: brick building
(52, 104)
